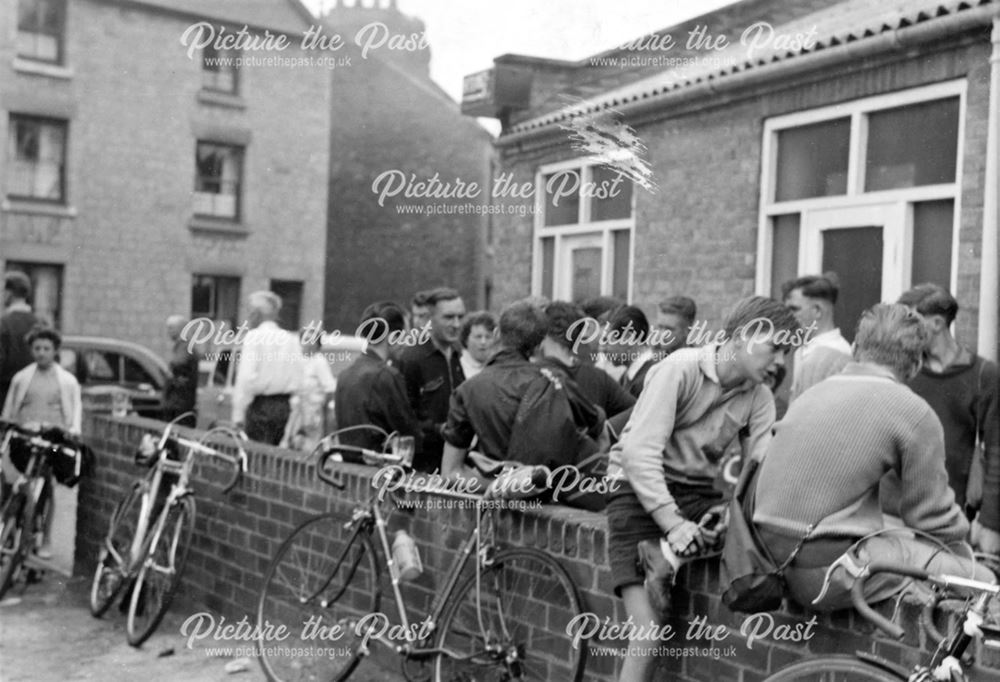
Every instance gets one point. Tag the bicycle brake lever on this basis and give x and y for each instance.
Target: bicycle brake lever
(846, 561)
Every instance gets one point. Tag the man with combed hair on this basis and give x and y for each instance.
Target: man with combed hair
(674, 320)
(269, 372)
(961, 387)
(826, 351)
(818, 485)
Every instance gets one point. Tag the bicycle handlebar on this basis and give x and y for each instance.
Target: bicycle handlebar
(47, 434)
(239, 461)
(862, 606)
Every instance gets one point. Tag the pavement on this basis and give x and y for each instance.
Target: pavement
(48, 635)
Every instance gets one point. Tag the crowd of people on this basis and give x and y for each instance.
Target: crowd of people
(897, 430)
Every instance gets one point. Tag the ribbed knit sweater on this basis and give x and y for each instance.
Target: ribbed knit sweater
(835, 444)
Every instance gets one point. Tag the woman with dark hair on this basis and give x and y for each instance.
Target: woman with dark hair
(479, 340)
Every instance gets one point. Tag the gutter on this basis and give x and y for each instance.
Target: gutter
(989, 280)
(895, 40)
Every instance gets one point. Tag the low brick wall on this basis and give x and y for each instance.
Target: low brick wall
(236, 536)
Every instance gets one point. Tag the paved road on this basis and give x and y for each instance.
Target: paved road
(48, 635)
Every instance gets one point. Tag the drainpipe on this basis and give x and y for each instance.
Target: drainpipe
(990, 260)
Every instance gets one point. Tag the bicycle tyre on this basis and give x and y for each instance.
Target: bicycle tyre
(299, 579)
(841, 668)
(110, 574)
(166, 555)
(12, 548)
(527, 584)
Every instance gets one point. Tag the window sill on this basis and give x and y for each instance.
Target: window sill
(27, 66)
(217, 225)
(37, 208)
(222, 99)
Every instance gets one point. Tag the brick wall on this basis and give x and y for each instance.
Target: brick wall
(236, 536)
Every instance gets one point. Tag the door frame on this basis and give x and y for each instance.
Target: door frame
(896, 222)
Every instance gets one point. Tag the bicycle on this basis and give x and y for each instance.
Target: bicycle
(498, 621)
(946, 661)
(42, 453)
(146, 550)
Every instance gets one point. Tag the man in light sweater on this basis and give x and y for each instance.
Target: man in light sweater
(826, 351)
(823, 468)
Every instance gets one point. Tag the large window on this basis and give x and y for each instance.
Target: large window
(214, 297)
(218, 180)
(40, 29)
(218, 70)
(869, 189)
(36, 149)
(583, 232)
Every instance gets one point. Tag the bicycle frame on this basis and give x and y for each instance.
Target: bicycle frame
(370, 518)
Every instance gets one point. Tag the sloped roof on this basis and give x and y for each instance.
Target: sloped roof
(841, 23)
(286, 16)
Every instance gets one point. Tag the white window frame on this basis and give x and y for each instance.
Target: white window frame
(855, 196)
(583, 226)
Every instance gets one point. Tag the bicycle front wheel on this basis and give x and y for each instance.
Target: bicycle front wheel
(160, 573)
(13, 543)
(112, 567)
(834, 669)
(517, 629)
(322, 581)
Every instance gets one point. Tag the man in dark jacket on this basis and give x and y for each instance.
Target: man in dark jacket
(371, 391)
(432, 371)
(15, 323)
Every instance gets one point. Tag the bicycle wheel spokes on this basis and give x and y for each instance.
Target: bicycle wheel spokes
(319, 584)
(160, 573)
(834, 669)
(517, 629)
(113, 563)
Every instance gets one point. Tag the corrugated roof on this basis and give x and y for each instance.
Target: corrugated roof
(287, 16)
(844, 22)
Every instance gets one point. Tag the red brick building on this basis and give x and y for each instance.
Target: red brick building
(140, 180)
(776, 139)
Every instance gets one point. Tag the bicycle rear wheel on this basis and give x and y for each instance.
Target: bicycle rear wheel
(519, 629)
(161, 572)
(326, 576)
(111, 570)
(834, 669)
(13, 540)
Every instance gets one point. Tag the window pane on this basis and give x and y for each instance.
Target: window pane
(562, 197)
(39, 29)
(37, 149)
(227, 295)
(933, 224)
(548, 265)
(622, 257)
(912, 145)
(812, 160)
(201, 296)
(291, 303)
(136, 374)
(586, 272)
(617, 191)
(217, 181)
(784, 251)
(855, 254)
(100, 368)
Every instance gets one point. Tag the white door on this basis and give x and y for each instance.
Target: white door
(866, 246)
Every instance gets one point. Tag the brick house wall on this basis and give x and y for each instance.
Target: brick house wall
(697, 235)
(387, 114)
(129, 248)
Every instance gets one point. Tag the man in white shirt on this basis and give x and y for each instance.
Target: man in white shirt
(269, 372)
(826, 352)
